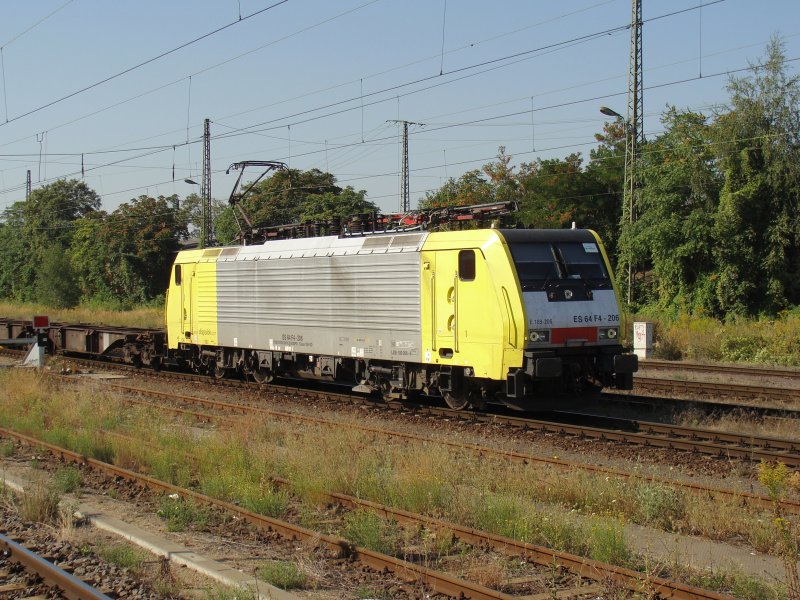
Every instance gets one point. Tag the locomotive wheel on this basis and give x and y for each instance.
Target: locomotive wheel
(262, 375)
(219, 372)
(458, 401)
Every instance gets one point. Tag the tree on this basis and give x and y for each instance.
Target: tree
(291, 196)
(470, 188)
(326, 206)
(56, 284)
(757, 224)
(672, 239)
(606, 172)
(142, 237)
(46, 218)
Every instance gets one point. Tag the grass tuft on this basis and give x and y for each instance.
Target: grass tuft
(40, 503)
(365, 528)
(282, 574)
(67, 479)
(122, 555)
(182, 514)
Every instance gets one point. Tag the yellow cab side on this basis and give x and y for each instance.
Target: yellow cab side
(191, 305)
(474, 319)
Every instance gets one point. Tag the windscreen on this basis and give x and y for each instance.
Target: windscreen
(540, 264)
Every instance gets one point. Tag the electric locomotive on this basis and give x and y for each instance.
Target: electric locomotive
(474, 316)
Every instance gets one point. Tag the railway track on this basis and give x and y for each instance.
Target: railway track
(69, 586)
(744, 498)
(586, 571)
(659, 435)
(715, 389)
(690, 367)
(709, 407)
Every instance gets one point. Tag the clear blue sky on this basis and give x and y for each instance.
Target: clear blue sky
(310, 75)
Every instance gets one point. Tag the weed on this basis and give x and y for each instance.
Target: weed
(778, 479)
(230, 593)
(365, 528)
(66, 522)
(180, 514)
(40, 503)
(122, 555)
(7, 449)
(659, 505)
(269, 503)
(735, 584)
(67, 479)
(283, 574)
(607, 543)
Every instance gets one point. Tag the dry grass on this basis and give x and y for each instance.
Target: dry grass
(146, 317)
(772, 341)
(573, 511)
(742, 422)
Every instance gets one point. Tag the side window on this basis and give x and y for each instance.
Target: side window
(466, 265)
(177, 274)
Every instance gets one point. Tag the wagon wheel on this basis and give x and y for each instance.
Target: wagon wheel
(262, 375)
(457, 401)
(219, 371)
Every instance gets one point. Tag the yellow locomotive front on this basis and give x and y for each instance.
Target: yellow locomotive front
(520, 314)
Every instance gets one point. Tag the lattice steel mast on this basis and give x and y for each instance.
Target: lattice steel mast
(634, 138)
(406, 191)
(207, 228)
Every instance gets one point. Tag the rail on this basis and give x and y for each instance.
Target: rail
(70, 586)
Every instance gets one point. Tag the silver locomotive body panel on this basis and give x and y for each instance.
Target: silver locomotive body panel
(339, 301)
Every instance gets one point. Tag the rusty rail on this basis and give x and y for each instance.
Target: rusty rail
(70, 586)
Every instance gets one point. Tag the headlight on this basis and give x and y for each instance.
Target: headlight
(607, 333)
(540, 336)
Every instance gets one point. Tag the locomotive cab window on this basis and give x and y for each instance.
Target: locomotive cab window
(583, 261)
(536, 265)
(177, 274)
(466, 265)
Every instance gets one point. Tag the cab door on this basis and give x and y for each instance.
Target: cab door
(445, 303)
(187, 283)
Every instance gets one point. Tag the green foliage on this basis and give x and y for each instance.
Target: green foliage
(676, 206)
(292, 196)
(283, 574)
(56, 282)
(757, 226)
(34, 226)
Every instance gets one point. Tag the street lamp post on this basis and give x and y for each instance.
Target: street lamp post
(629, 189)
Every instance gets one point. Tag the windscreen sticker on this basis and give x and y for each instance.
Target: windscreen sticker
(591, 248)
